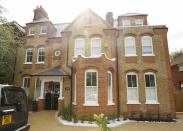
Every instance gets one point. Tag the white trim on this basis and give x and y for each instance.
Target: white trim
(91, 46)
(78, 39)
(110, 104)
(134, 45)
(156, 95)
(25, 87)
(41, 62)
(75, 86)
(29, 34)
(111, 89)
(61, 89)
(151, 44)
(29, 49)
(111, 59)
(41, 33)
(130, 101)
(130, 55)
(89, 103)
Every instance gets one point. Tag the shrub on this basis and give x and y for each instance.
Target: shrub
(67, 113)
(102, 122)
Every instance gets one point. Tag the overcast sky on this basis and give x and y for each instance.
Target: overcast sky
(166, 12)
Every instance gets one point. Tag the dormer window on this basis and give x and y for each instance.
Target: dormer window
(31, 31)
(126, 23)
(43, 30)
(139, 22)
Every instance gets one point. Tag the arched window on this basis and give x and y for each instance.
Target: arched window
(28, 56)
(95, 47)
(132, 88)
(79, 48)
(130, 48)
(109, 87)
(147, 46)
(150, 88)
(41, 55)
(91, 87)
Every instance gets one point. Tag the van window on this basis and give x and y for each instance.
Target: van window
(13, 97)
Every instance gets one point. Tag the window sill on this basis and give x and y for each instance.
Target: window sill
(152, 103)
(148, 55)
(111, 104)
(43, 34)
(39, 63)
(86, 104)
(130, 55)
(30, 35)
(133, 103)
(28, 63)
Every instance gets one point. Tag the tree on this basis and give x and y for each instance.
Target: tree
(176, 54)
(11, 37)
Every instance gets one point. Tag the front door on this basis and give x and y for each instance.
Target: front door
(51, 95)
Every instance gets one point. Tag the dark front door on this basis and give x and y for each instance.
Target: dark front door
(52, 95)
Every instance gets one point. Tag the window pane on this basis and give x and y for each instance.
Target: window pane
(147, 80)
(130, 48)
(147, 45)
(88, 79)
(134, 81)
(94, 79)
(79, 47)
(96, 47)
(152, 82)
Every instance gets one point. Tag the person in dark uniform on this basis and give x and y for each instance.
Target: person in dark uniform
(48, 100)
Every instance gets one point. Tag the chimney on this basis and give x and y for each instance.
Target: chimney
(109, 18)
(40, 14)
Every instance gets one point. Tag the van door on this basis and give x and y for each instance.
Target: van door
(16, 97)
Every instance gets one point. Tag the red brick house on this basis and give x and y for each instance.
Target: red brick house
(177, 75)
(109, 66)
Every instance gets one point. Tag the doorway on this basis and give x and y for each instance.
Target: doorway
(51, 93)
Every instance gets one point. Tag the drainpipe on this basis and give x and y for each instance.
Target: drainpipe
(117, 74)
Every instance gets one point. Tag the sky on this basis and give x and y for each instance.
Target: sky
(160, 12)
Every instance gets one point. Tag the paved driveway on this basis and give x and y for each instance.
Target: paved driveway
(45, 121)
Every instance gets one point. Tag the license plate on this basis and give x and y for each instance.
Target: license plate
(6, 119)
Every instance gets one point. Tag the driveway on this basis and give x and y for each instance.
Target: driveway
(45, 121)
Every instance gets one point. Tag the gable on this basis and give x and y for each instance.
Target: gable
(87, 19)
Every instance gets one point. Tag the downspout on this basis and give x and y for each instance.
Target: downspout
(117, 74)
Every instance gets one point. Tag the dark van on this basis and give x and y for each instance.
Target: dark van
(13, 109)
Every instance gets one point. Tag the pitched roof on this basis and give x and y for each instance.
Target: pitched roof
(55, 71)
(58, 29)
(178, 60)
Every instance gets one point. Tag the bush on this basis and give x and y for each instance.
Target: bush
(67, 113)
(101, 122)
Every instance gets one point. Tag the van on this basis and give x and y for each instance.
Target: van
(13, 109)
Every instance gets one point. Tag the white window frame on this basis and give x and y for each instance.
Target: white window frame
(79, 50)
(41, 62)
(128, 89)
(25, 87)
(139, 22)
(75, 86)
(110, 99)
(91, 103)
(126, 22)
(155, 101)
(99, 47)
(30, 31)
(26, 60)
(126, 39)
(151, 45)
(41, 30)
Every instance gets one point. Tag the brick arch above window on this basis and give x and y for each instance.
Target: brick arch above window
(132, 70)
(129, 35)
(150, 70)
(95, 35)
(79, 36)
(146, 34)
(41, 46)
(91, 67)
(111, 69)
(28, 46)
